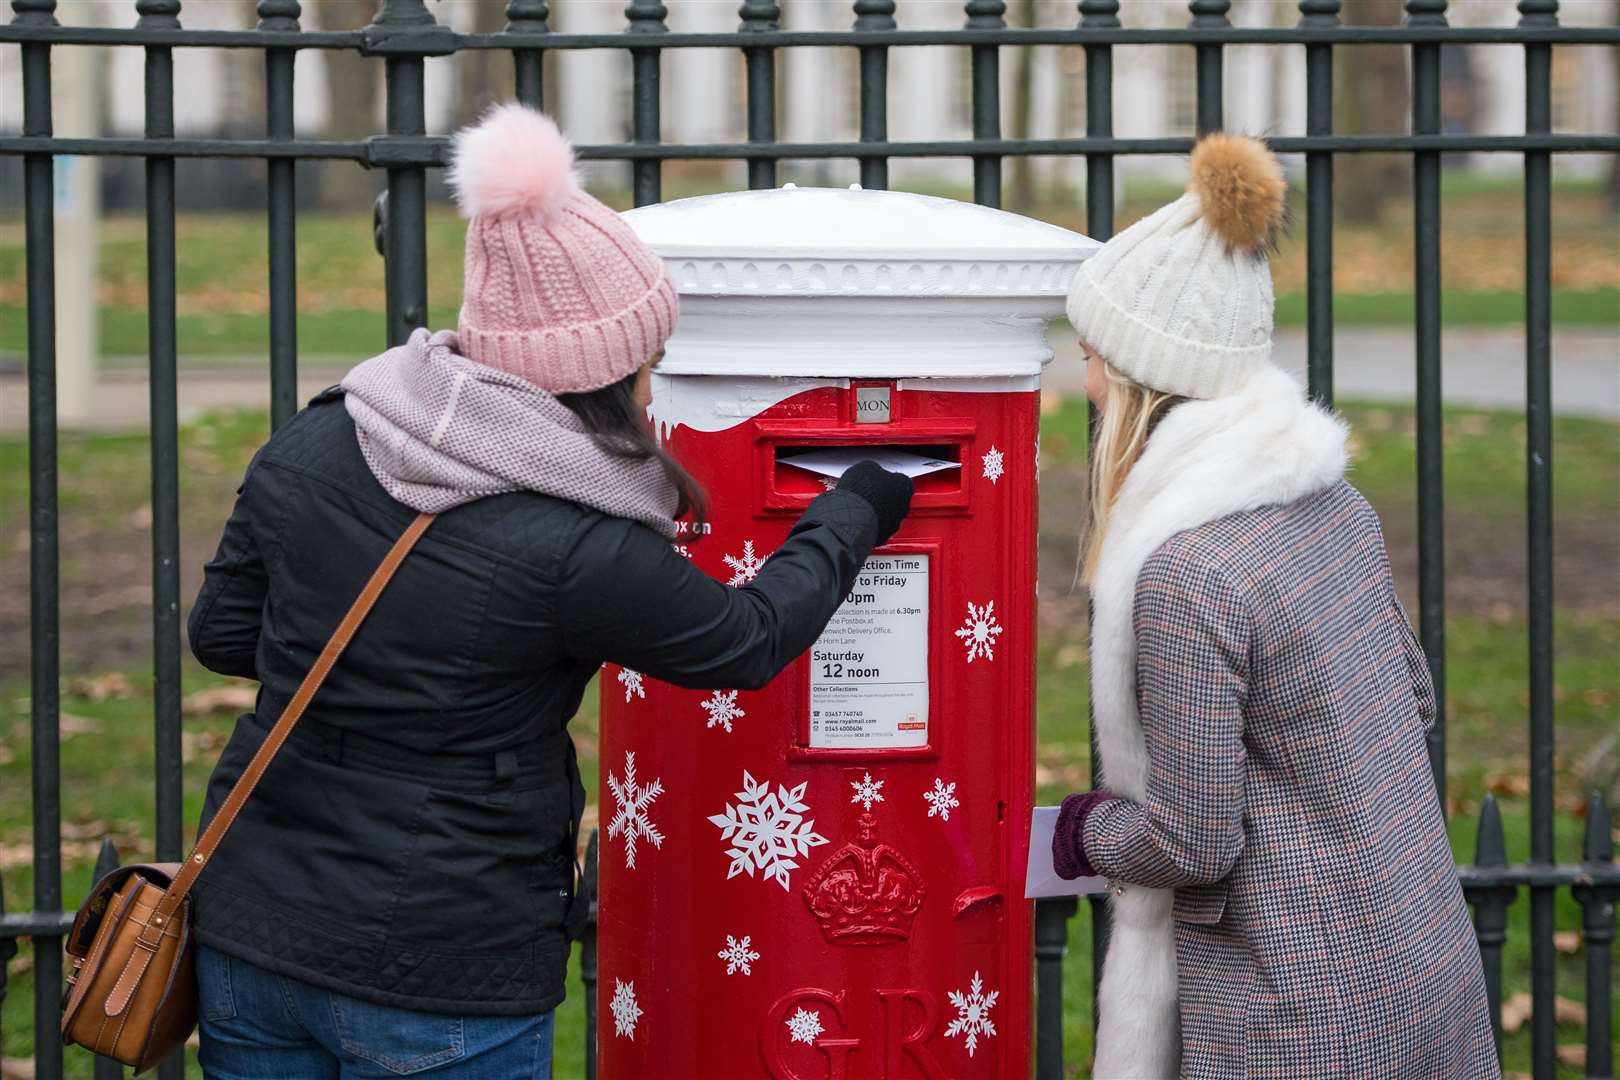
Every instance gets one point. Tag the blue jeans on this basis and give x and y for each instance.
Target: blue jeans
(257, 1025)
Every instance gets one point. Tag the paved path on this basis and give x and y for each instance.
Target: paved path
(1483, 367)
(1480, 367)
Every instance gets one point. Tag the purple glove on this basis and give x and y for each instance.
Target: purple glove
(1068, 838)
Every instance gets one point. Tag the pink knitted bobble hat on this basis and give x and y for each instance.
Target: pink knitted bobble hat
(558, 291)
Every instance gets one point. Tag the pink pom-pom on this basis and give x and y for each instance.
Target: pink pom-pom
(512, 163)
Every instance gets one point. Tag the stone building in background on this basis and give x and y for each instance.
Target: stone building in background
(929, 91)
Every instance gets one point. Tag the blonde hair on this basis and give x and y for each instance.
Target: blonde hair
(1128, 415)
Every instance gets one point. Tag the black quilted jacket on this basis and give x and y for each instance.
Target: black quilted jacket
(412, 844)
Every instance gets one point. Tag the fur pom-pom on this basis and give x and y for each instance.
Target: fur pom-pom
(512, 163)
(1242, 191)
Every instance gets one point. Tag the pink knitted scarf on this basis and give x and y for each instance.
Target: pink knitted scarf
(439, 430)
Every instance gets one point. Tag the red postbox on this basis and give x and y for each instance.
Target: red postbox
(824, 878)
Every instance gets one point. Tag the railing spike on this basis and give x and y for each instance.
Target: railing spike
(279, 15)
(1489, 847)
(528, 16)
(646, 16)
(1597, 937)
(1324, 13)
(1426, 12)
(106, 859)
(157, 14)
(1099, 14)
(404, 13)
(758, 15)
(1598, 844)
(34, 13)
(1538, 12)
(1490, 909)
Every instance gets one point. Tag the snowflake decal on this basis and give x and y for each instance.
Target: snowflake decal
(737, 954)
(722, 708)
(942, 799)
(995, 465)
(979, 631)
(804, 1025)
(972, 1013)
(767, 830)
(633, 801)
(829, 483)
(634, 683)
(744, 568)
(625, 1010)
(866, 792)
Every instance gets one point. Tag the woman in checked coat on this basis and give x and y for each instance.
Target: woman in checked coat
(1283, 895)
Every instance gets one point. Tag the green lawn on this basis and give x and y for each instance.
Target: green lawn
(220, 269)
(107, 756)
(358, 333)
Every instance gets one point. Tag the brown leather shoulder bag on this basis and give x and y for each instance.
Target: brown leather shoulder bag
(132, 993)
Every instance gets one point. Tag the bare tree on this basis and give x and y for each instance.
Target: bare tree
(352, 83)
(1022, 188)
(1372, 90)
(483, 76)
(244, 77)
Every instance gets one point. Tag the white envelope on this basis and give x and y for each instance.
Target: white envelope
(836, 460)
(1041, 879)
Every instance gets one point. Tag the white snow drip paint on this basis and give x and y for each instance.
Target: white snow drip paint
(714, 403)
(718, 404)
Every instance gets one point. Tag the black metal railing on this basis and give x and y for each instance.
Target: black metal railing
(404, 34)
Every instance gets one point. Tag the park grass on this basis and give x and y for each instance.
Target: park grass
(221, 296)
(106, 750)
(358, 333)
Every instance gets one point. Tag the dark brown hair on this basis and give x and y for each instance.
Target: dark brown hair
(613, 419)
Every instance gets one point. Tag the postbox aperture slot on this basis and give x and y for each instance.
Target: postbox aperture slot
(784, 489)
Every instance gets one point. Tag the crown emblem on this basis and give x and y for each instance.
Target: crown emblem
(866, 893)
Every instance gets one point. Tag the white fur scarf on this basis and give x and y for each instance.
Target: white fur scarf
(1263, 445)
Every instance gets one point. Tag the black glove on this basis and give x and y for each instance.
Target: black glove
(888, 492)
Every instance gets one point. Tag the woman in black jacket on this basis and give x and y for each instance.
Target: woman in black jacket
(397, 895)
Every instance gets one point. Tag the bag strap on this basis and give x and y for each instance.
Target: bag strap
(175, 895)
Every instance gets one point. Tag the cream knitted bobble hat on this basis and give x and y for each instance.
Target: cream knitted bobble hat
(1181, 301)
(559, 290)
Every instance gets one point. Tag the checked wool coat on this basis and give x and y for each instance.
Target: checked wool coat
(1285, 901)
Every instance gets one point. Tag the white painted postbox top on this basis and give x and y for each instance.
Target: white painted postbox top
(834, 282)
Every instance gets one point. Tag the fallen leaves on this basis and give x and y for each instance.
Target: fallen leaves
(1573, 1055)
(1567, 941)
(1071, 655)
(193, 743)
(81, 843)
(1569, 1012)
(237, 697)
(113, 685)
(1520, 1007)
(1516, 1011)
(16, 1069)
(1508, 785)
(70, 725)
